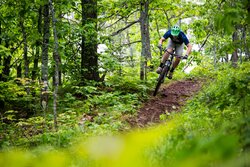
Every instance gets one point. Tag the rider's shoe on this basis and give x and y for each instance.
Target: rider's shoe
(170, 75)
(159, 69)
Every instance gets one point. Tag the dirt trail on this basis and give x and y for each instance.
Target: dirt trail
(169, 98)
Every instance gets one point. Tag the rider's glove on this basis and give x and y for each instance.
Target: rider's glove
(185, 57)
(159, 46)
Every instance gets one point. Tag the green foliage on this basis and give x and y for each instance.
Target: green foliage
(210, 127)
(38, 130)
(4, 51)
(228, 19)
(109, 62)
(230, 91)
(10, 90)
(20, 95)
(213, 129)
(199, 28)
(91, 110)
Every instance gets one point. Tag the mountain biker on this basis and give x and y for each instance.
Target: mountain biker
(177, 41)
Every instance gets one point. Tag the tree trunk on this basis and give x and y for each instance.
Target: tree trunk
(25, 50)
(235, 53)
(19, 70)
(1, 76)
(38, 45)
(57, 62)
(130, 48)
(180, 22)
(45, 49)
(215, 57)
(89, 57)
(35, 62)
(6, 65)
(145, 38)
(226, 58)
(6, 69)
(246, 49)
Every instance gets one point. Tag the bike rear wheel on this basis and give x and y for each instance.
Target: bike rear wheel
(161, 79)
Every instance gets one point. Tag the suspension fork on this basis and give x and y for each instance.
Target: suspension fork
(169, 62)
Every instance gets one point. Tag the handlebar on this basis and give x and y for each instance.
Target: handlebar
(175, 55)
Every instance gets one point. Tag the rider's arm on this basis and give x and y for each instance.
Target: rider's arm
(189, 48)
(165, 36)
(161, 40)
(187, 43)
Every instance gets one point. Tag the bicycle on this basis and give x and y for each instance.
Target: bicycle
(165, 69)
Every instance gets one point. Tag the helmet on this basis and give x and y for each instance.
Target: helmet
(175, 30)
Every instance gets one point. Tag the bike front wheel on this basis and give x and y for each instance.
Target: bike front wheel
(161, 79)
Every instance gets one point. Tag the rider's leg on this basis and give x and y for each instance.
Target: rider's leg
(166, 55)
(164, 59)
(179, 51)
(176, 63)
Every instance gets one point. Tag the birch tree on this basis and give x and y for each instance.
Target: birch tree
(57, 62)
(45, 58)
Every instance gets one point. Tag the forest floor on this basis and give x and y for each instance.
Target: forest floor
(170, 98)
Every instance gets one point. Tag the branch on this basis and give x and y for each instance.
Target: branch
(78, 11)
(15, 62)
(111, 15)
(157, 28)
(176, 16)
(115, 22)
(168, 19)
(124, 28)
(14, 49)
(132, 42)
(203, 44)
(129, 43)
(127, 16)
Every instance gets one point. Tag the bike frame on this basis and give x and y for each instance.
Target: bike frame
(165, 70)
(168, 64)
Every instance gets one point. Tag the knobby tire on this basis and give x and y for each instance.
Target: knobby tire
(161, 79)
